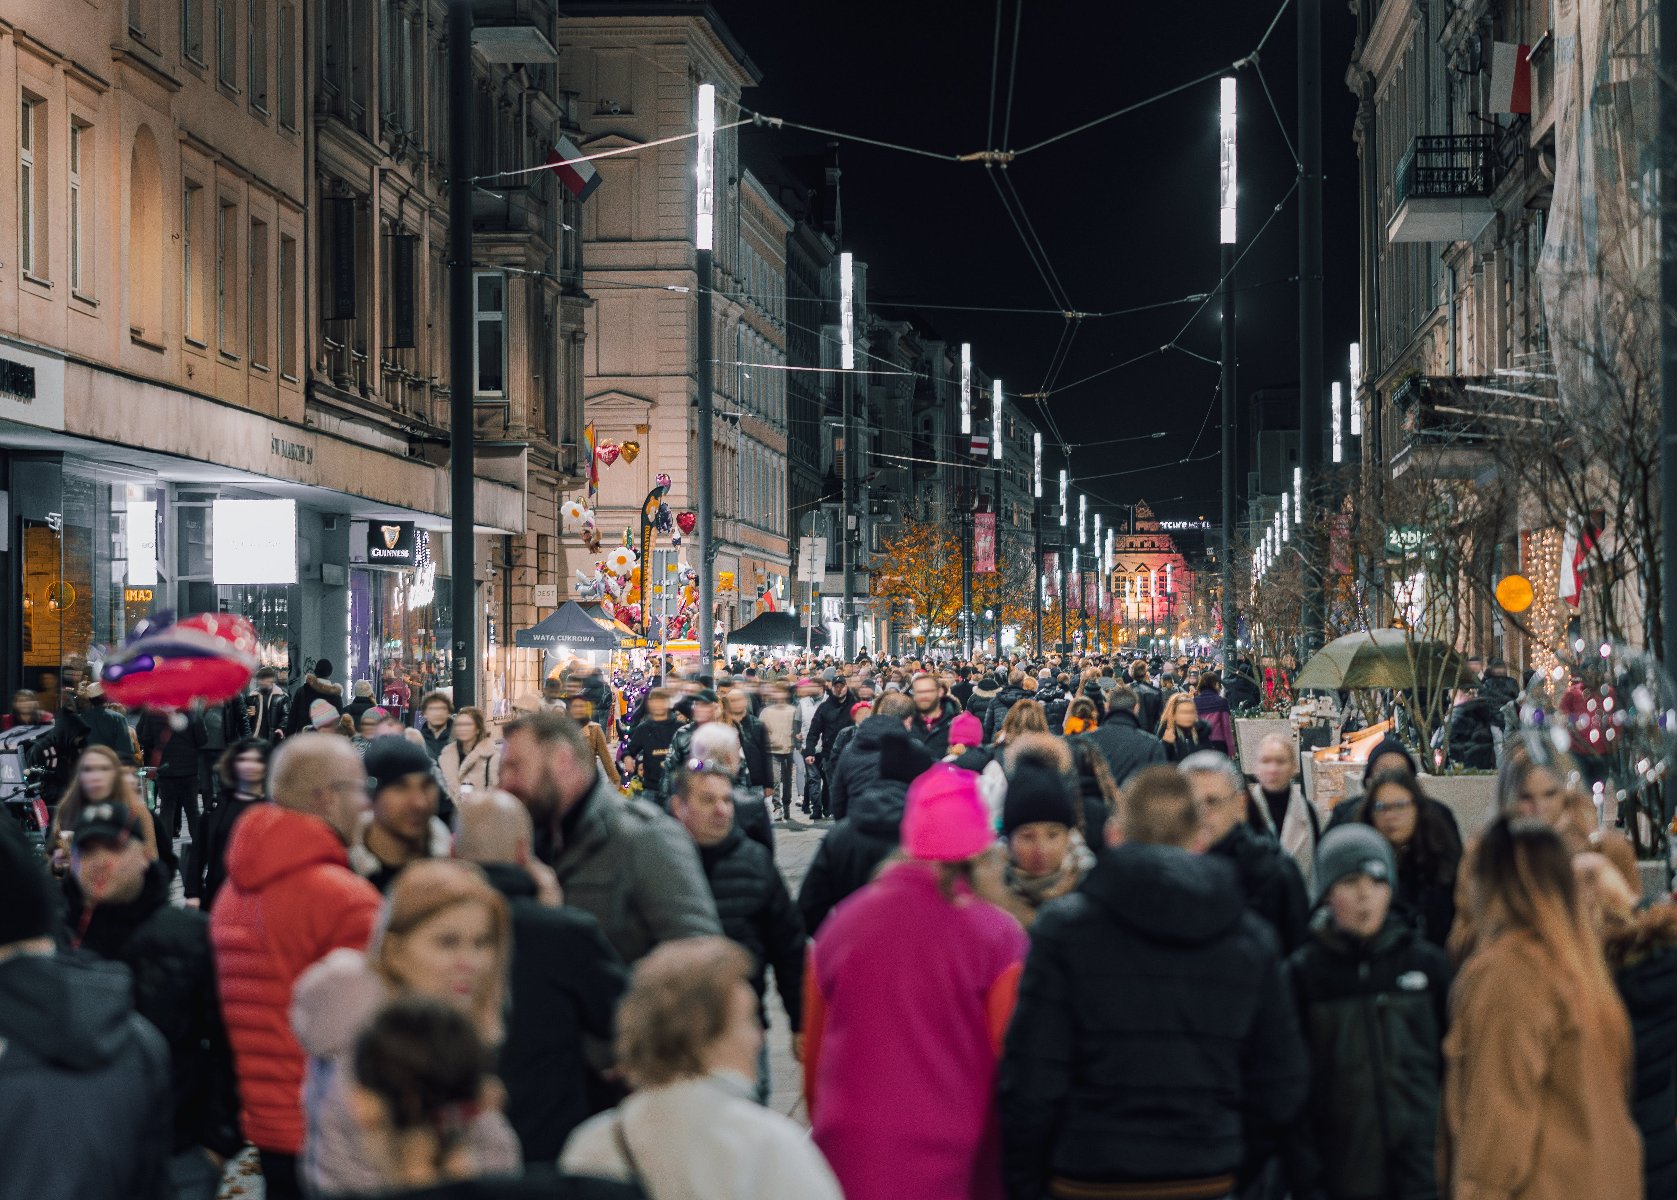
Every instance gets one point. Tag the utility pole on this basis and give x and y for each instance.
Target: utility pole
(966, 502)
(847, 417)
(1036, 527)
(1667, 79)
(1310, 306)
(704, 242)
(1065, 497)
(462, 385)
(1231, 412)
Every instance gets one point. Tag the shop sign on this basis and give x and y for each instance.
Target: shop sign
(547, 595)
(1404, 541)
(291, 451)
(253, 541)
(137, 595)
(31, 387)
(391, 543)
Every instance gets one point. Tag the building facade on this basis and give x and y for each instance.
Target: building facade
(227, 299)
(1155, 592)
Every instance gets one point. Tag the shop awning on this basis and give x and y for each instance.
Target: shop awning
(775, 629)
(568, 626)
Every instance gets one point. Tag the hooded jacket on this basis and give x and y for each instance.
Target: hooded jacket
(1472, 734)
(1128, 748)
(857, 766)
(997, 712)
(1270, 881)
(167, 949)
(372, 868)
(310, 690)
(1155, 1032)
(852, 851)
(84, 1084)
(1373, 1013)
(564, 983)
(290, 899)
(978, 704)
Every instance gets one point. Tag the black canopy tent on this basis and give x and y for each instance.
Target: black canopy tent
(775, 629)
(568, 626)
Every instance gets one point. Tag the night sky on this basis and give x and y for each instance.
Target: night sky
(1126, 211)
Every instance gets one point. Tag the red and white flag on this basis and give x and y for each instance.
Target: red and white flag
(1510, 78)
(574, 171)
(1575, 555)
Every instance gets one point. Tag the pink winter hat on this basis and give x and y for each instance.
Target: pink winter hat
(944, 819)
(966, 730)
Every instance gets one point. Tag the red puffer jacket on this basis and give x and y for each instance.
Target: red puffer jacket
(290, 899)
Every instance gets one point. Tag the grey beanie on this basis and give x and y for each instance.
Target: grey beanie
(1353, 850)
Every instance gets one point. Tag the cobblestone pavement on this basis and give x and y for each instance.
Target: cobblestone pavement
(795, 844)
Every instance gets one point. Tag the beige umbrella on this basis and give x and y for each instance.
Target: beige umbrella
(1384, 658)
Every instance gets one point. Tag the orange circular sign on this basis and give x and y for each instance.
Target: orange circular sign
(1514, 593)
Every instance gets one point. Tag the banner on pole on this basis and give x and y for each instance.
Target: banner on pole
(1051, 573)
(984, 543)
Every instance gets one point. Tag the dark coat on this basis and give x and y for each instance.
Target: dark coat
(1154, 1036)
(1215, 710)
(757, 913)
(857, 766)
(436, 743)
(206, 866)
(1644, 956)
(167, 951)
(1270, 880)
(751, 817)
(564, 982)
(1181, 746)
(831, 716)
(173, 751)
(1472, 740)
(1427, 868)
(935, 735)
(1152, 704)
(225, 724)
(1128, 748)
(84, 1084)
(108, 729)
(754, 747)
(851, 852)
(268, 713)
(1241, 691)
(1374, 1014)
(978, 704)
(310, 690)
(1005, 699)
(649, 744)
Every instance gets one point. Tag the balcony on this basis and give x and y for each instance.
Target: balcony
(513, 208)
(514, 31)
(1444, 186)
(1444, 432)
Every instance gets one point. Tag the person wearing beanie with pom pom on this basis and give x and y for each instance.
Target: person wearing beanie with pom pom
(908, 990)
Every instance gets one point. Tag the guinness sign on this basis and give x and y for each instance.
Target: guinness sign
(390, 543)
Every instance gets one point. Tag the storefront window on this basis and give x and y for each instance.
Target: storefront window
(400, 626)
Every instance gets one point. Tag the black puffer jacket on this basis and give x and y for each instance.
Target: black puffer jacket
(168, 951)
(564, 982)
(935, 735)
(1128, 748)
(757, 913)
(831, 716)
(1154, 1034)
(1374, 1014)
(1644, 958)
(1152, 703)
(978, 704)
(1270, 880)
(851, 852)
(206, 867)
(1005, 699)
(173, 751)
(754, 749)
(857, 765)
(1472, 740)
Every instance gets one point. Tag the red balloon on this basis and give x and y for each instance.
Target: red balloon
(208, 656)
(174, 683)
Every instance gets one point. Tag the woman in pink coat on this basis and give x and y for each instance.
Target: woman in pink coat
(907, 995)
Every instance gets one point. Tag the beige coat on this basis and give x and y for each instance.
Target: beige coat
(1536, 1094)
(481, 770)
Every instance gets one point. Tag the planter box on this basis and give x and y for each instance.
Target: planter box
(1249, 734)
(1471, 797)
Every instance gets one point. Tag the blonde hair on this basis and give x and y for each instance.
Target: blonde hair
(1026, 716)
(1167, 719)
(70, 805)
(426, 889)
(677, 1006)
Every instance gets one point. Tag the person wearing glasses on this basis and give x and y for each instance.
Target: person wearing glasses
(289, 900)
(1423, 835)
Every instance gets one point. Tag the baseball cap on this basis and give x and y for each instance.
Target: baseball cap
(705, 696)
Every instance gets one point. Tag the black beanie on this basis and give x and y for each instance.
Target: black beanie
(323, 668)
(392, 757)
(1387, 746)
(1036, 792)
(901, 757)
(28, 906)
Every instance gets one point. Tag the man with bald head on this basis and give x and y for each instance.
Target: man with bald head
(290, 898)
(565, 980)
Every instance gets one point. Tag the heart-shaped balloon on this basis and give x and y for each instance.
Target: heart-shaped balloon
(608, 452)
(631, 451)
(662, 479)
(687, 521)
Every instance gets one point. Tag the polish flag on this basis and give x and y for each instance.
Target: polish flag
(1575, 553)
(574, 171)
(1510, 78)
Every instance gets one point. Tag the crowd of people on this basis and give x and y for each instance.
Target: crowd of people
(1054, 942)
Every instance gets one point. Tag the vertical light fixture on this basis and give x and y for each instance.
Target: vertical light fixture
(1337, 422)
(1356, 389)
(704, 243)
(996, 420)
(1065, 499)
(1286, 531)
(1226, 206)
(966, 388)
(1082, 519)
(705, 233)
(1099, 558)
(1170, 579)
(847, 315)
(1298, 492)
(1036, 464)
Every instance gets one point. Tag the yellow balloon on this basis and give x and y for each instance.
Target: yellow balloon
(1514, 593)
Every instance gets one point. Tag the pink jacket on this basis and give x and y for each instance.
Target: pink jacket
(906, 1001)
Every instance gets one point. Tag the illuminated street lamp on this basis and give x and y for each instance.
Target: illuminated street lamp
(704, 243)
(966, 388)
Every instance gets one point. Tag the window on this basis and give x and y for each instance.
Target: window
(226, 261)
(80, 144)
(192, 242)
(256, 54)
(226, 48)
(285, 69)
(32, 187)
(192, 30)
(489, 316)
(285, 307)
(257, 303)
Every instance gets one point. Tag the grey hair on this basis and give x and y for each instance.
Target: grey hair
(715, 742)
(1213, 762)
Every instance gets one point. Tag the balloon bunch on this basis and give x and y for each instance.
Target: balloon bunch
(578, 513)
(170, 664)
(608, 451)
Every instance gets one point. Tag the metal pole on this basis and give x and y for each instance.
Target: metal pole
(966, 570)
(707, 469)
(1310, 302)
(997, 609)
(1036, 584)
(848, 515)
(1230, 440)
(1065, 582)
(461, 384)
(1668, 327)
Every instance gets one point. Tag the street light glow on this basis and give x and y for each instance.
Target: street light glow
(1036, 464)
(1082, 519)
(966, 387)
(1298, 492)
(1356, 386)
(996, 420)
(1229, 165)
(1286, 531)
(705, 235)
(1065, 498)
(1338, 422)
(847, 314)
